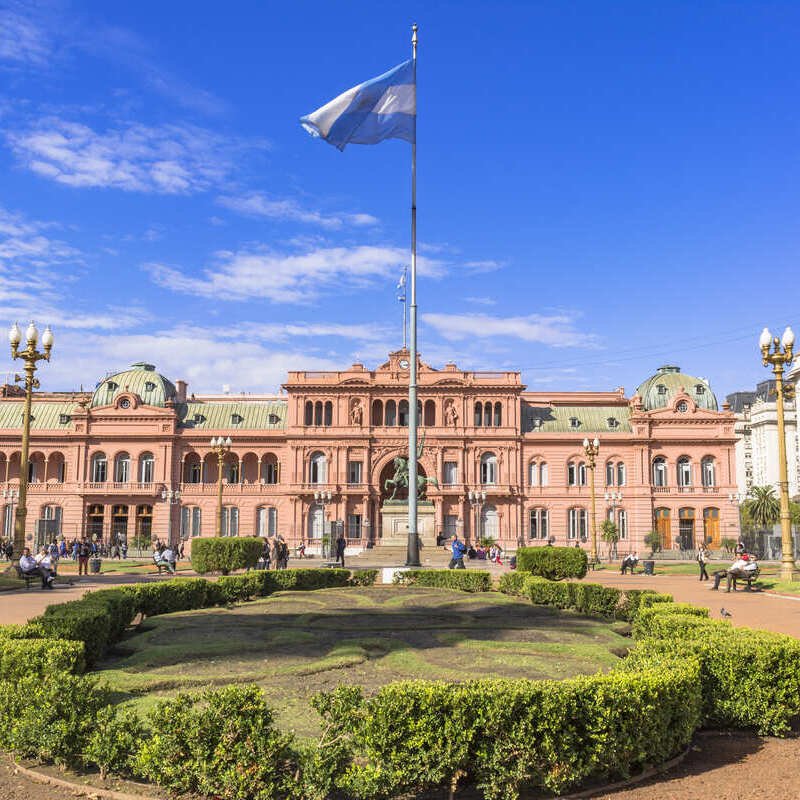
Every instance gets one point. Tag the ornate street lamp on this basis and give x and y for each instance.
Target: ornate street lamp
(31, 356)
(614, 498)
(777, 353)
(476, 499)
(591, 449)
(323, 498)
(221, 446)
(171, 497)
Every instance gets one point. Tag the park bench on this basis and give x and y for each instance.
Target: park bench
(749, 580)
(164, 565)
(28, 577)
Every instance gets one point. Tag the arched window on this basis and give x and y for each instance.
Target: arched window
(543, 474)
(419, 413)
(572, 473)
(498, 414)
(316, 522)
(230, 521)
(709, 471)
(478, 415)
(402, 413)
(269, 469)
(539, 523)
(391, 412)
(487, 414)
(232, 471)
(581, 473)
(621, 476)
(488, 468)
(684, 471)
(192, 469)
(309, 414)
(659, 471)
(99, 468)
(377, 412)
(190, 521)
(318, 468)
(147, 468)
(328, 413)
(576, 523)
(430, 413)
(610, 473)
(122, 468)
(266, 521)
(533, 474)
(318, 412)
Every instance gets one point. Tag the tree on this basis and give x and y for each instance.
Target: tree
(609, 533)
(763, 508)
(653, 541)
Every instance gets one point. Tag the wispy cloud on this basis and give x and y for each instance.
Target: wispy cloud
(165, 159)
(557, 330)
(22, 40)
(485, 265)
(257, 204)
(290, 278)
(481, 301)
(23, 242)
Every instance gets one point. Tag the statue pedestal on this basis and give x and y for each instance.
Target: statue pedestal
(394, 527)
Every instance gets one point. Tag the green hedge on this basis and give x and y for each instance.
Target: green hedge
(510, 736)
(513, 583)
(554, 563)
(363, 577)
(39, 657)
(461, 580)
(175, 594)
(225, 554)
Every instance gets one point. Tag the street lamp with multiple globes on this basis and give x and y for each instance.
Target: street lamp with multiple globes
(476, 499)
(323, 498)
(221, 446)
(777, 353)
(614, 498)
(591, 449)
(171, 497)
(31, 356)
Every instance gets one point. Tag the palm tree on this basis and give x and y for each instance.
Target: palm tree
(763, 508)
(610, 535)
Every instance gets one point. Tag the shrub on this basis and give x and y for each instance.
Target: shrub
(634, 599)
(555, 563)
(543, 592)
(667, 618)
(176, 594)
(462, 580)
(306, 579)
(113, 741)
(49, 718)
(594, 598)
(363, 577)
(39, 657)
(513, 582)
(227, 747)
(225, 554)
(239, 588)
(511, 736)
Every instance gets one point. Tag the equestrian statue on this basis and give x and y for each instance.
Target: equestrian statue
(400, 478)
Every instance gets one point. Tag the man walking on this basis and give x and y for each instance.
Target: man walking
(702, 559)
(341, 545)
(457, 550)
(83, 557)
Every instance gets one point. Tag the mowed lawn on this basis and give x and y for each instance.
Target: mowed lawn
(295, 644)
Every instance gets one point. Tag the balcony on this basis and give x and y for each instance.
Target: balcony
(117, 487)
(201, 489)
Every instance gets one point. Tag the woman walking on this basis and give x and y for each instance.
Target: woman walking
(702, 558)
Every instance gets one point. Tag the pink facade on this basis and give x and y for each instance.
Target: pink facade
(101, 462)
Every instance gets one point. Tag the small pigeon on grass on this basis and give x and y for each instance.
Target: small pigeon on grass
(725, 613)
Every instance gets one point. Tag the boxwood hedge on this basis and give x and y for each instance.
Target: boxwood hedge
(554, 563)
(225, 554)
(461, 580)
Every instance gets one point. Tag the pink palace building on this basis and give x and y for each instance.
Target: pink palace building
(510, 463)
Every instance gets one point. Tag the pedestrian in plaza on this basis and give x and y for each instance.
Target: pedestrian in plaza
(341, 545)
(274, 552)
(703, 556)
(75, 549)
(301, 550)
(457, 550)
(283, 553)
(124, 549)
(84, 550)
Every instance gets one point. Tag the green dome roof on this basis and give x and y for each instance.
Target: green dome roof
(141, 379)
(659, 390)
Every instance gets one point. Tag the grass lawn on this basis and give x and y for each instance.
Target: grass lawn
(295, 644)
(772, 583)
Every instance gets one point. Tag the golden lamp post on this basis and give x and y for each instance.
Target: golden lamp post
(31, 356)
(778, 353)
(221, 446)
(591, 449)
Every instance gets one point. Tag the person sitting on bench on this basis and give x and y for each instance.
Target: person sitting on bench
(744, 567)
(29, 567)
(629, 563)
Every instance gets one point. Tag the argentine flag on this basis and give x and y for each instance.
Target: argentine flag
(382, 108)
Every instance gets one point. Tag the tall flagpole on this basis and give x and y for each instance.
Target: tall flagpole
(412, 557)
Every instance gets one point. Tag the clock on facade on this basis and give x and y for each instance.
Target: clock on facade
(403, 363)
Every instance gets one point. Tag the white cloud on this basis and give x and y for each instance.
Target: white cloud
(22, 40)
(257, 204)
(556, 330)
(481, 301)
(485, 265)
(290, 278)
(165, 159)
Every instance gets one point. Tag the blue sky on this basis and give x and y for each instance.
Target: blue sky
(603, 188)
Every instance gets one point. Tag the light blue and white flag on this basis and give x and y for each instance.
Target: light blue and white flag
(401, 286)
(382, 108)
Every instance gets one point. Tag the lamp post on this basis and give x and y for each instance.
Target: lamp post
(591, 449)
(11, 496)
(221, 446)
(171, 497)
(31, 356)
(323, 497)
(614, 498)
(777, 353)
(476, 499)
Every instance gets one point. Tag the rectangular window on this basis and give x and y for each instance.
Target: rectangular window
(230, 521)
(544, 524)
(147, 470)
(354, 526)
(450, 525)
(534, 523)
(354, 472)
(62, 472)
(543, 474)
(620, 474)
(577, 523)
(622, 523)
(572, 475)
(533, 474)
(8, 522)
(609, 474)
(267, 521)
(450, 472)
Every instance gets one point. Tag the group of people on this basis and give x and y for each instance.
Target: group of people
(42, 565)
(629, 562)
(165, 556)
(459, 549)
(275, 553)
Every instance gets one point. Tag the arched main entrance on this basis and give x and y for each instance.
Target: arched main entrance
(387, 473)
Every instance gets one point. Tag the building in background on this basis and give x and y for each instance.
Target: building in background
(509, 463)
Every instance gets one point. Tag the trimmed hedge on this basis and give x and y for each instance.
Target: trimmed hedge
(554, 563)
(225, 554)
(461, 580)
(39, 657)
(513, 583)
(363, 577)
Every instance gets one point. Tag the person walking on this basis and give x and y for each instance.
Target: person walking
(341, 545)
(703, 556)
(83, 557)
(457, 550)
